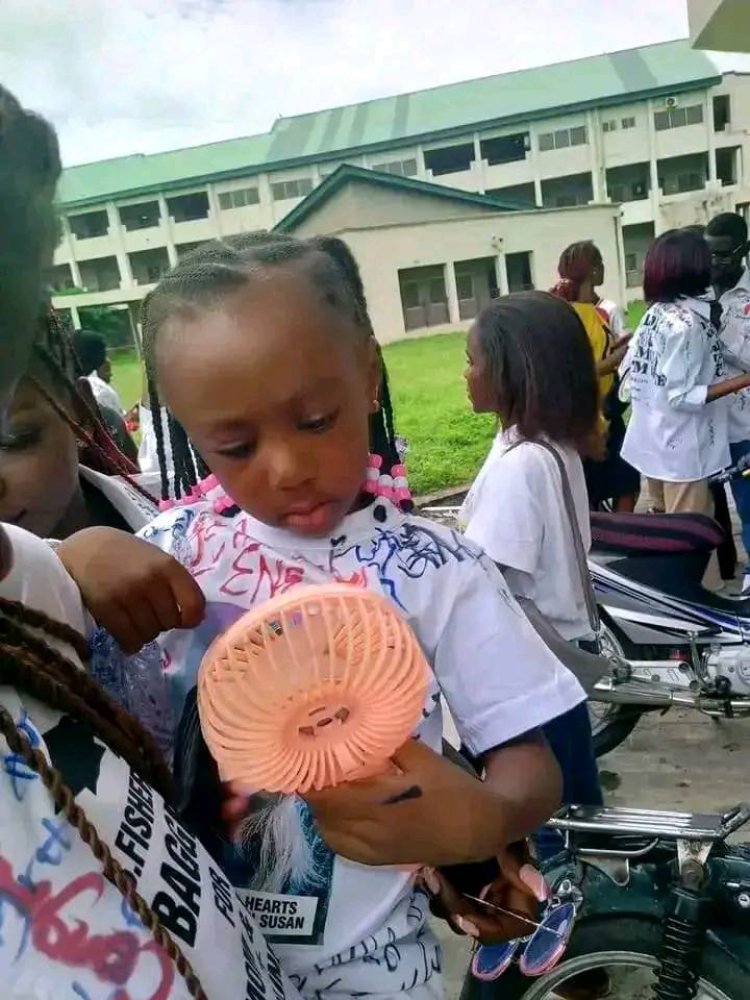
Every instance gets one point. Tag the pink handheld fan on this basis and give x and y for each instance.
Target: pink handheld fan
(318, 686)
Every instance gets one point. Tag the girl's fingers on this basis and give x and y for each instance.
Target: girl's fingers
(164, 605)
(147, 625)
(188, 596)
(123, 629)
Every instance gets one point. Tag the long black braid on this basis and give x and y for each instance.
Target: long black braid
(223, 266)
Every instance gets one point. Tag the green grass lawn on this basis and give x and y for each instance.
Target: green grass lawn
(447, 441)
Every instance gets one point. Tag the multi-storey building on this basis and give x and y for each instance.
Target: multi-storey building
(656, 130)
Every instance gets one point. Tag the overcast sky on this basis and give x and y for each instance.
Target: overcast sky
(124, 76)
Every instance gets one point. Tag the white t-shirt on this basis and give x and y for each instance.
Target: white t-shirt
(735, 338)
(341, 928)
(673, 433)
(105, 394)
(615, 317)
(134, 508)
(65, 931)
(516, 512)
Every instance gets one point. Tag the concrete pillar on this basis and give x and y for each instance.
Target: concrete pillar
(479, 165)
(501, 273)
(420, 162)
(215, 210)
(596, 156)
(116, 233)
(166, 228)
(708, 121)
(655, 193)
(451, 292)
(75, 317)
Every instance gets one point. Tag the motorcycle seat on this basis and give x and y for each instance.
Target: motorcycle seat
(653, 534)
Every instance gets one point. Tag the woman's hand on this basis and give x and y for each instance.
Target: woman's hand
(426, 810)
(519, 888)
(132, 589)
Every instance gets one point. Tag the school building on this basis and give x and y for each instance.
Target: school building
(448, 196)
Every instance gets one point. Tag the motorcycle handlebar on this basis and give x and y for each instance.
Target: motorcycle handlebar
(739, 471)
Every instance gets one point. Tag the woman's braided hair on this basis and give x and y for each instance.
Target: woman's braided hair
(29, 168)
(219, 267)
(56, 371)
(33, 666)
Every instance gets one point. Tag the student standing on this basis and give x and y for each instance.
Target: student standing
(726, 236)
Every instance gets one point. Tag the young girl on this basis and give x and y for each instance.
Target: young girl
(581, 271)
(530, 363)
(266, 360)
(60, 469)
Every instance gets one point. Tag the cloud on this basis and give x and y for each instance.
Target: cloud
(147, 75)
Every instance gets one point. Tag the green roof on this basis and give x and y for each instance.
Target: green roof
(347, 173)
(507, 98)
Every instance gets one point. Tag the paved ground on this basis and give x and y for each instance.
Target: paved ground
(680, 760)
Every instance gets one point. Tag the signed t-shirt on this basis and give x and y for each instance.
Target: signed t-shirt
(342, 929)
(65, 931)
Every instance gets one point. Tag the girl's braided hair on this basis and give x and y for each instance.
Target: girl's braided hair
(219, 267)
(33, 666)
(29, 168)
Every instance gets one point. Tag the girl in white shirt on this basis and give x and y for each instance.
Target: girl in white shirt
(677, 432)
(530, 362)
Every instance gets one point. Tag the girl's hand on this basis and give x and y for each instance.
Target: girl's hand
(132, 589)
(426, 810)
(519, 888)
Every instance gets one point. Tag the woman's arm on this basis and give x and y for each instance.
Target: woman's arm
(721, 389)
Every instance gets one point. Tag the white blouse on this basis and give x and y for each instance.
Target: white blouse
(674, 435)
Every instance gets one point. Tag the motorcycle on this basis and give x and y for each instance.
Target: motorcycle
(662, 904)
(670, 642)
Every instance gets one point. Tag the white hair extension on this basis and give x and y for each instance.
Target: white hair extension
(275, 834)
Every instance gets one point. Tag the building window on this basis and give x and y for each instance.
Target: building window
(88, 225)
(562, 138)
(524, 195)
(449, 160)
(188, 207)
(148, 266)
(628, 122)
(678, 117)
(505, 149)
(518, 269)
(399, 168)
(100, 275)
(300, 187)
(239, 198)
(722, 112)
(61, 278)
(726, 164)
(610, 126)
(183, 249)
(145, 215)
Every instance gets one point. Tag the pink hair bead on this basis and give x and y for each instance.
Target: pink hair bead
(375, 461)
(398, 471)
(166, 504)
(403, 493)
(208, 484)
(222, 504)
(370, 486)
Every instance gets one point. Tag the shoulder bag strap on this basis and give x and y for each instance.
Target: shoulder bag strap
(580, 552)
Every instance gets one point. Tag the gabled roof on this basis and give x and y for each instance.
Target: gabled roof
(387, 122)
(346, 174)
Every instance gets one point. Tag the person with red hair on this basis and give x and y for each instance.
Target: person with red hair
(581, 271)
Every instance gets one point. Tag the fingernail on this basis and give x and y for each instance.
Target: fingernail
(466, 926)
(534, 879)
(431, 880)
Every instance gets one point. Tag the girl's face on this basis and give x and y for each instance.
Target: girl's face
(482, 393)
(275, 387)
(38, 463)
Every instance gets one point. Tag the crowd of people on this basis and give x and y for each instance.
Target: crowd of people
(127, 866)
